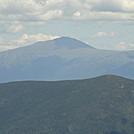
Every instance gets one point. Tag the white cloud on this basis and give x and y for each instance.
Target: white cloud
(36, 23)
(77, 14)
(50, 15)
(44, 10)
(125, 46)
(27, 39)
(11, 27)
(4, 48)
(76, 4)
(14, 27)
(104, 34)
(113, 5)
(94, 15)
(29, 10)
(105, 10)
(100, 34)
(53, 2)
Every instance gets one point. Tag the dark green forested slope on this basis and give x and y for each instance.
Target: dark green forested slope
(103, 105)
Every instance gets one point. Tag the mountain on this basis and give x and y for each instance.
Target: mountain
(102, 105)
(63, 59)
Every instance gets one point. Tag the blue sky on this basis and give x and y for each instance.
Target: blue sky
(102, 24)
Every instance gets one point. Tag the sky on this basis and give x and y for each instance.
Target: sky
(103, 24)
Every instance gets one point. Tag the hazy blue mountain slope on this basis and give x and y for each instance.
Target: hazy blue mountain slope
(63, 58)
(41, 68)
(125, 70)
(103, 105)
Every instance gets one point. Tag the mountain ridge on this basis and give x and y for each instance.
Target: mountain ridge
(106, 77)
(102, 105)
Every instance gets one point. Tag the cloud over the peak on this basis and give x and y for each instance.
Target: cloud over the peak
(4, 48)
(27, 39)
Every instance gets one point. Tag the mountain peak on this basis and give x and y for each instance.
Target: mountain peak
(111, 77)
(70, 43)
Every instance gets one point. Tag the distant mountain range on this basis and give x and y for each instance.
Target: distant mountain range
(102, 105)
(63, 59)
